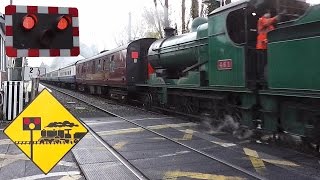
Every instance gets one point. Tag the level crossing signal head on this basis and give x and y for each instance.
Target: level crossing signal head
(31, 123)
(37, 31)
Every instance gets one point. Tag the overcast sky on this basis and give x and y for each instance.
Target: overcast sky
(100, 20)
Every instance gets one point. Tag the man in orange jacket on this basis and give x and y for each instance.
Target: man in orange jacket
(265, 25)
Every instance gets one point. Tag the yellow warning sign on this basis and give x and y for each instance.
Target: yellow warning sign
(45, 131)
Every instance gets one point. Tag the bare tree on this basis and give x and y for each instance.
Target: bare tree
(149, 16)
(120, 38)
(202, 10)
(158, 18)
(183, 14)
(166, 13)
(210, 7)
(194, 9)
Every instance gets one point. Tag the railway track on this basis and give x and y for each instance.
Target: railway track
(136, 171)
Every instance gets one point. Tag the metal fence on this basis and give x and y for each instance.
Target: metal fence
(13, 99)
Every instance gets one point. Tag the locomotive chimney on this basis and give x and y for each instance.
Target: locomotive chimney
(168, 32)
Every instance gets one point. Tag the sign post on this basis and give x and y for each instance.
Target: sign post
(37, 31)
(45, 131)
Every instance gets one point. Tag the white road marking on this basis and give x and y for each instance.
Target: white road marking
(72, 177)
(141, 119)
(174, 154)
(98, 123)
(66, 163)
(138, 129)
(223, 144)
(8, 159)
(5, 141)
(110, 122)
(1, 129)
(55, 174)
(120, 144)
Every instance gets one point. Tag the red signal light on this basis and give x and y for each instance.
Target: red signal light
(26, 121)
(63, 23)
(37, 121)
(29, 21)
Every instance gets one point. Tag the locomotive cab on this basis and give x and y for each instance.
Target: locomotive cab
(241, 26)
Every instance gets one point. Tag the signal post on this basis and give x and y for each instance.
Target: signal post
(37, 31)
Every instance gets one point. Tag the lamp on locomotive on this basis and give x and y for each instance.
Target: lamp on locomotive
(34, 31)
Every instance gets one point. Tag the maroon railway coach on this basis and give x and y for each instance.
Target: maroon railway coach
(116, 71)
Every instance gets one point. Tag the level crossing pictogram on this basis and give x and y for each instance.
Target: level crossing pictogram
(45, 131)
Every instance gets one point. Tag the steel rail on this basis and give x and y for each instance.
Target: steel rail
(249, 173)
(123, 160)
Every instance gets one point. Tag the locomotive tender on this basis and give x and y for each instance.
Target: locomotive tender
(213, 69)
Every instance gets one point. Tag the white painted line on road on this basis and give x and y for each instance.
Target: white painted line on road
(1, 129)
(73, 177)
(174, 154)
(55, 174)
(141, 119)
(110, 122)
(8, 159)
(223, 144)
(98, 123)
(66, 163)
(139, 129)
(120, 145)
(5, 141)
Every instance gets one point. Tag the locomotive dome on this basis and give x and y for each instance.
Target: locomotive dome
(197, 22)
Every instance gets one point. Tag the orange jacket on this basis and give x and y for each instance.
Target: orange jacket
(265, 25)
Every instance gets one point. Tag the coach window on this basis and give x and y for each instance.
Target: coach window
(112, 58)
(99, 65)
(96, 66)
(93, 67)
(236, 26)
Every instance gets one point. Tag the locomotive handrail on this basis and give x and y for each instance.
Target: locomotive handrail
(194, 66)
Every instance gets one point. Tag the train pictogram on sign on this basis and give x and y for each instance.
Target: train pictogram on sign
(45, 131)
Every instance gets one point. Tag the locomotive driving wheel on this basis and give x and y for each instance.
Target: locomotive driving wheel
(190, 107)
(147, 101)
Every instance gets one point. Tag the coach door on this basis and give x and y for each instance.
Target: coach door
(134, 64)
(137, 65)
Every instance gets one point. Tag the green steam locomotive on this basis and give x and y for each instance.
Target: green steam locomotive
(213, 70)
